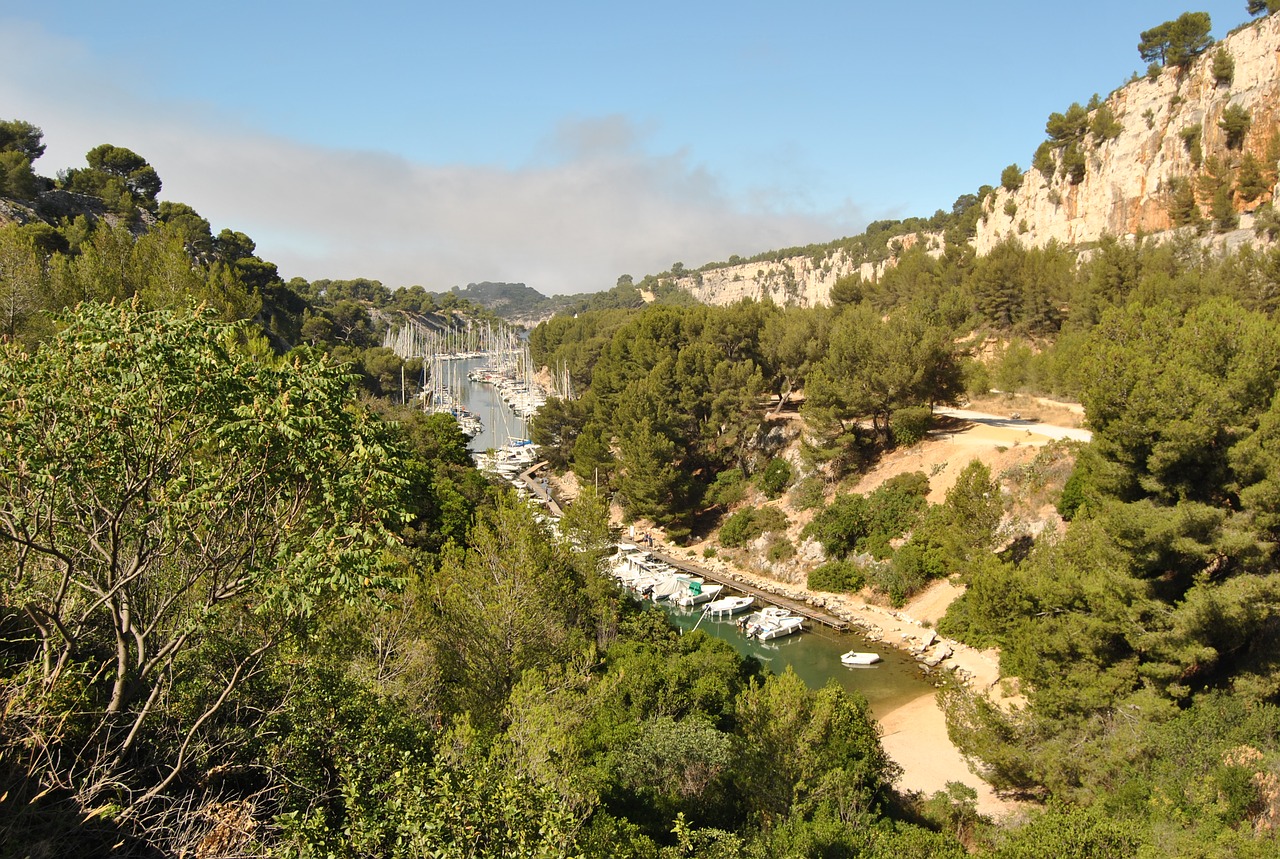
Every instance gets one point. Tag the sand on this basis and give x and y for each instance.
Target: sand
(915, 734)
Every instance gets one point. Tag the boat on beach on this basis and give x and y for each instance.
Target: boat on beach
(855, 657)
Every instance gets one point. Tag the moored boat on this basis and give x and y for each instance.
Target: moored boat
(771, 622)
(728, 606)
(855, 657)
(697, 594)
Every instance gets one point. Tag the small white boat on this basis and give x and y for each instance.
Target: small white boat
(728, 606)
(673, 586)
(697, 594)
(771, 622)
(854, 657)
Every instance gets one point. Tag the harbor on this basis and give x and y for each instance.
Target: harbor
(495, 385)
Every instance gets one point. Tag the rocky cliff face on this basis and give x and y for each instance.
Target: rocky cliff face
(1127, 187)
(1129, 182)
(798, 280)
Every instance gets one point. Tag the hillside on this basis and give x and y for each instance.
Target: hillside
(1170, 141)
(1172, 134)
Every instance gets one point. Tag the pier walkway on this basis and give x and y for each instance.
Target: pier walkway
(540, 490)
(803, 609)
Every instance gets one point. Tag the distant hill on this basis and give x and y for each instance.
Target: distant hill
(514, 302)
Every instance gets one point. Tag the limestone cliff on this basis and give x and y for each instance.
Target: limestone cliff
(803, 280)
(1128, 185)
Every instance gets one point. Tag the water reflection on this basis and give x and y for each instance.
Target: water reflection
(814, 655)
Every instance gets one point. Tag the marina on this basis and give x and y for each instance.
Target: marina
(814, 649)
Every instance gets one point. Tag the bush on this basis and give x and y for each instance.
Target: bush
(1010, 207)
(808, 493)
(1011, 178)
(837, 577)
(728, 488)
(748, 524)
(738, 528)
(910, 425)
(781, 549)
(867, 523)
(1235, 123)
(775, 478)
(1224, 67)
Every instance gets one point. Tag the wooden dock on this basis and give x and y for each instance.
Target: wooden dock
(541, 490)
(803, 609)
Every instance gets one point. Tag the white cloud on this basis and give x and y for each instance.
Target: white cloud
(590, 204)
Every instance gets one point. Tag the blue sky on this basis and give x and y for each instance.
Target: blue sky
(560, 144)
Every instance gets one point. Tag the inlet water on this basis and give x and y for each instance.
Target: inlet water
(814, 655)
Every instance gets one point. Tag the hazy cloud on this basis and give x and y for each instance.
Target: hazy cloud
(590, 204)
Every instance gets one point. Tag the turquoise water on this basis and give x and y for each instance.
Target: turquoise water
(814, 654)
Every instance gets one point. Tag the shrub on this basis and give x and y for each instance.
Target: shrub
(776, 477)
(738, 528)
(808, 493)
(728, 488)
(837, 577)
(910, 425)
(1191, 142)
(841, 526)
(899, 583)
(781, 549)
(1224, 67)
(1235, 123)
(749, 523)
(1010, 207)
(1011, 177)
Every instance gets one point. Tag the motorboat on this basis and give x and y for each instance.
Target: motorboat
(697, 594)
(855, 657)
(674, 586)
(728, 606)
(771, 622)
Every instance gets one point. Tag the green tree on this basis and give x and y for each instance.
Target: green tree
(1011, 178)
(1235, 124)
(1177, 42)
(1257, 7)
(1250, 181)
(512, 601)
(1224, 67)
(17, 135)
(1104, 125)
(171, 509)
(120, 177)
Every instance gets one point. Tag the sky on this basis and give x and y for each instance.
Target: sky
(560, 144)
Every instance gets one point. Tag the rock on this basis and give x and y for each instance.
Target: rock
(938, 654)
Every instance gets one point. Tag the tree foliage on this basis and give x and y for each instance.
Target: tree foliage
(1177, 42)
(170, 507)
